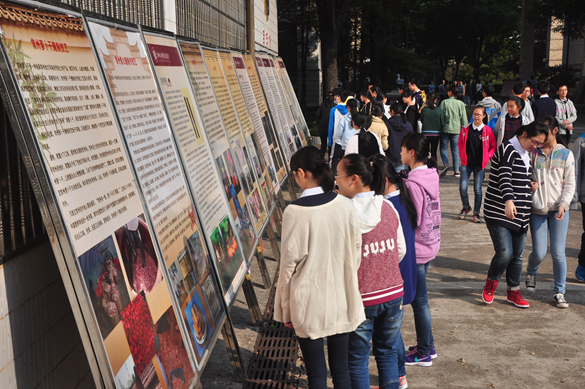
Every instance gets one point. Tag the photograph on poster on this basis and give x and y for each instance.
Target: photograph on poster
(139, 330)
(138, 255)
(105, 283)
(212, 295)
(198, 323)
(186, 266)
(226, 250)
(126, 377)
(174, 361)
(176, 282)
(256, 204)
(197, 253)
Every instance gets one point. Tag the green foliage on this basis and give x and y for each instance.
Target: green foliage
(571, 14)
(559, 75)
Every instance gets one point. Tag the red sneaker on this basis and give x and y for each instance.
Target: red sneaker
(514, 297)
(489, 290)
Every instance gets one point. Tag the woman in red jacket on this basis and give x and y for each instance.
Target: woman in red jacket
(477, 145)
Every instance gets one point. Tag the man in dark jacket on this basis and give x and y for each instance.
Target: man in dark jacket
(544, 106)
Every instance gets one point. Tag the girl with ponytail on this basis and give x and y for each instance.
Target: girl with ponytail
(319, 268)
(380, 281)
(423, 184)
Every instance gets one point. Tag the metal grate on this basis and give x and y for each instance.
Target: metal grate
(275, 353)
(145, 12)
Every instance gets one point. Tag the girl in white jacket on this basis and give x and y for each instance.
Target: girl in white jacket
(553, 167)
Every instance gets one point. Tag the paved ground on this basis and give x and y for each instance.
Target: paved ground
(479, 346)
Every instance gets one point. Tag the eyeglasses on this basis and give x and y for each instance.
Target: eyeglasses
(345, 175)
(535, 143)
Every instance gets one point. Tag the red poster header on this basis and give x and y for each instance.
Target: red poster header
(239, 62)
(164, 55)
(281, 64)
(266, 62)
(259, 62)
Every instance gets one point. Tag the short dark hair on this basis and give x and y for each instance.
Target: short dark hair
(543, 87)
(359, 119)
(337, 91)
(413, 81)
(365, 93)
(518, 88)
(407, 93)
(489, 90)
(454, 89)
(344, 95)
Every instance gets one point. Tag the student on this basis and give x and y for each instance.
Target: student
(492, 107)
(508, 201)
(518, 91)
(418, 95)
(544, 105)
(579, 197)
(346, 127)
(566, 113)
(322, 120)
(334, 132)
(319, 268)
(411, 111)
(423, 184)
(553, 167)
(508, 124)
(379, 277)
(364, 142)
(432, 87)
(376, 125)
(366, 102)
(398, 127)
(477, 145)
(433, 121)
(443, 91)
(455, 112)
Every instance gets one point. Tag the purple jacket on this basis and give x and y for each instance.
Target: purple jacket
(424, 189)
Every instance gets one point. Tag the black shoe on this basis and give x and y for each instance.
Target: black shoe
(444, 171)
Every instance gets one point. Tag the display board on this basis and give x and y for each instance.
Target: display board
(222, 154)
(287, 142)
(282, 96)
(116, 270)
(239, 149)
(251, 109)
(249, 80)
(261, 175)
(202, 175)
(293, 101)
(146, 130)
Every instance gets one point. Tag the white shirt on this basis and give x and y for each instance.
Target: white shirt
(420, 167)
(352, 146)
(312, 191)
(364, 194)
(478, 128)
(523, 153)
(392, 194)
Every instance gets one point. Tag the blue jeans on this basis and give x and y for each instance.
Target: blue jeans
(540, 225)
(509, 247)
(398, 167)
(445, 140)
(422, 312)
(467, 100)
(314, 357)
(382, 327)
(478, 174)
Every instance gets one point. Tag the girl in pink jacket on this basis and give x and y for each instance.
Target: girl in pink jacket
(477, 145)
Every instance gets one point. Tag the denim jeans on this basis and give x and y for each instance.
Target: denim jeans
(422, 312)
(540, 226)
(509, 247)
(382, 327)
(398, 167)
(445, 140)
(582, 251)
(314, 357)
(478, 174)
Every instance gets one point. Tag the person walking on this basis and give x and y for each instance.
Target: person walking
(335, 123)
(364, 142)
(553, 167)
(319, 268)
(423, 184)
(433, 121)
(376, 125)
(508, 124)
(518, 91)
(544, 105)
(398, 127)
(322, 120)
(455, 112)
(432, 87)
(380, 281)
(566, 113)
(477, 145)
(492, 107)
(443, 91)
(411, 111)
(508, 201)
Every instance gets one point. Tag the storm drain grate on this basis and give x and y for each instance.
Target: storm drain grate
(275, 353)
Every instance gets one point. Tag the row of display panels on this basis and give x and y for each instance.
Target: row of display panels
(158, 161)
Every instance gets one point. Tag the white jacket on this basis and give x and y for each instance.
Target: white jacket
(555, 175)
(565, 111)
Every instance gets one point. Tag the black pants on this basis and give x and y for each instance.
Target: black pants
(433, 145)
(582, 252)
(314, 357)
(323, 132)
(568, 137)
(337, 155)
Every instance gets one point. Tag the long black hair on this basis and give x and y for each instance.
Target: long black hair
(518, 102)
(552, 123)
(369, 173)
(376, 111)
(535, 128)
(419, 143)
(397, 109)
(352, 106)
(431, 103)
(309, 159)
(396, 179)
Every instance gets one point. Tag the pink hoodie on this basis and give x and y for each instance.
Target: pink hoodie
(424, 189)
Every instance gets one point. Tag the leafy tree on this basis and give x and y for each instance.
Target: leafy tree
(571, 14)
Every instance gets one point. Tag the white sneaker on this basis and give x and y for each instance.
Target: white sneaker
(560, 301)
(530, 282)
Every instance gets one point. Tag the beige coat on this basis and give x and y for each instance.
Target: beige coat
(321, 253)
(379, 128)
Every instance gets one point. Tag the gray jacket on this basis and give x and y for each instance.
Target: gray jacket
(579, 153)
(565, 111)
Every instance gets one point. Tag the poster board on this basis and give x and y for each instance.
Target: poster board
(194, 147)
(147, 132)
(66, 125)
(294, 102)
(222, 154)
(287, 144)
(259, 100)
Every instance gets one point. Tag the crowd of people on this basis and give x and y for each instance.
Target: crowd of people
(359, 241)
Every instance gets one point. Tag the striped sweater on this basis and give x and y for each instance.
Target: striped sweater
(508, 180)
